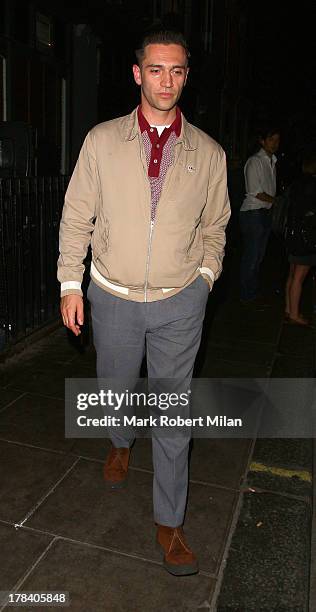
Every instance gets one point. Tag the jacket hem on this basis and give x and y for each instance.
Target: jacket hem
(138, 295)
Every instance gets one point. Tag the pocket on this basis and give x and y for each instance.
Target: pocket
(204, 283)
(194, 250)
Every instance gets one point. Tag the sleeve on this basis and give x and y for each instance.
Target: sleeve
(214, 219)
(76, 226)
(253, 177)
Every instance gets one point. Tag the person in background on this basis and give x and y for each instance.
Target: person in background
(300, 237)
(255, 212)
(150, 193)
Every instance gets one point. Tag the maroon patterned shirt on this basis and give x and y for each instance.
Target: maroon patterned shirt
(159, 153)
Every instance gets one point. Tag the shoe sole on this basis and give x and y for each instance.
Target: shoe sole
(181, 570)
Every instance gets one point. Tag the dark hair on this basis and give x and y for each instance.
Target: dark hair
(267, 131)
(161, 37)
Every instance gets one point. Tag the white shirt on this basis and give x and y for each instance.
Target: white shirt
(260, 176)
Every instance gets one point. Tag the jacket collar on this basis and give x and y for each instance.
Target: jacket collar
(129, 129)
(174, 127)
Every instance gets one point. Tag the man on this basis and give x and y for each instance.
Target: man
(255, 212)
(149, 190)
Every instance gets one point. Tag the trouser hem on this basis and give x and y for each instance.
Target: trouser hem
(169, 522)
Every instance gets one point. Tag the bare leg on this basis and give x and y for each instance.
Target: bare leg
(295, 292)
(288, 288)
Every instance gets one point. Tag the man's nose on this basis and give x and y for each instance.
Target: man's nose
(166, 79)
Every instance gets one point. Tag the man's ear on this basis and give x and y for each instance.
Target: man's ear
(186, 76)
(137, 74)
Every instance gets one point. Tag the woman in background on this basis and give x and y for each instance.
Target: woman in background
(301, 238)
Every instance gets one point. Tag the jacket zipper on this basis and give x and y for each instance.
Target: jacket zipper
(148, 258)
(150, 238)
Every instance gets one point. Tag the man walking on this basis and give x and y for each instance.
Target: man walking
(149, 192)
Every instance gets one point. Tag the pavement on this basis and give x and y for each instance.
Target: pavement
(249, 515)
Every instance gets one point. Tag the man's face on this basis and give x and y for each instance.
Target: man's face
(162, 76)
(271, 143)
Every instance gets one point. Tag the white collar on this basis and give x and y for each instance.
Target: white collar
(160, 128)
(263, 153)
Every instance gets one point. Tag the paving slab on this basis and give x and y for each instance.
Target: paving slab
(99, 581)
(8, 396)
(37, 376)
(36, 420)
(26, 475)
(219, 461)
(62, 347)
(123, 520)
(61, 343)
(47, 378)
(27, 365)
(19, 551)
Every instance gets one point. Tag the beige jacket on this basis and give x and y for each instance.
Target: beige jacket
(108, 203)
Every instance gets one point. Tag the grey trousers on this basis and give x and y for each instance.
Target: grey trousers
(169, 332)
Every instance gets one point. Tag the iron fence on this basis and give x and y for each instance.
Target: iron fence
(30, 211)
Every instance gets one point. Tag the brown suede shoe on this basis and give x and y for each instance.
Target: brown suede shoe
(116, 467)
(178, 560)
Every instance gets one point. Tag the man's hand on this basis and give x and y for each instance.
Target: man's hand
(71, 308)
(207, 280)
(265, 197)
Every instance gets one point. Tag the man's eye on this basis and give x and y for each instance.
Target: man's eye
(177, 72)
(154, 70)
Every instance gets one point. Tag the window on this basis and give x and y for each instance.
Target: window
(44, 31)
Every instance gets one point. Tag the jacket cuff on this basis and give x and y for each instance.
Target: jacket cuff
(70, 285)
(70, 288)
(208, 274)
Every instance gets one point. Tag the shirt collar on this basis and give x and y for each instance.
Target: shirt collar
(129, 128)
(262, 153)
(174, 127)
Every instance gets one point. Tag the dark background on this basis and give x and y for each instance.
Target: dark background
(252, 63)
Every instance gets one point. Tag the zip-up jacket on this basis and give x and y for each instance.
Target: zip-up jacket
(108, 204)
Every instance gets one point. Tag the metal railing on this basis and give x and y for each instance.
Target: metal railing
(30, 211)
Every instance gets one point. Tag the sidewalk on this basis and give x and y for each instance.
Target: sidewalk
(60, 530)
